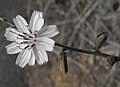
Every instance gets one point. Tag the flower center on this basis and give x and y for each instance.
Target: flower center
(32, 40)
(27, 39)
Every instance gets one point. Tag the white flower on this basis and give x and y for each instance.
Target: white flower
(31, 41)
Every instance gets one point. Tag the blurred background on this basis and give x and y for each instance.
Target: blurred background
(79, 22)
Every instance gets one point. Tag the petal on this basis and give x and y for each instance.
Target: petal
(23, 20)
(23, 46)
(32, 59)
(15, 31)
(21, 24)
(48, 31)
(40, 55)
(46, 43)
(23, 57)
(13, 48)
(10, 36)
(20, 40)
(36, 21)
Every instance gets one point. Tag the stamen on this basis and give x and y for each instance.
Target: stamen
(35, 40)
(30, 31)
(35, 35)
(27, 35)
(17, 34)
(24, 33)
(32, 45)
(24, 42)
(21, 35)
(26, 38)
(30, 36)
(26, 47)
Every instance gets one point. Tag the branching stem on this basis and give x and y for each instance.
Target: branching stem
(98, 53)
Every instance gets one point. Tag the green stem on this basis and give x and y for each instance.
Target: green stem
(98, 53)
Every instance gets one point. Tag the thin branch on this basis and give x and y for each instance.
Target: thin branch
(5, 21)
(84, 51)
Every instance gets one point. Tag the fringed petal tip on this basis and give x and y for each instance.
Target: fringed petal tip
(36, 21)
(48, 31)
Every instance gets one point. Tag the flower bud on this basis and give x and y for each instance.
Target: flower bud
(111, 60)
(63, 62)
(101, 39)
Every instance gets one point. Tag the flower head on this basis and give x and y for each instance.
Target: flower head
(31, 40)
